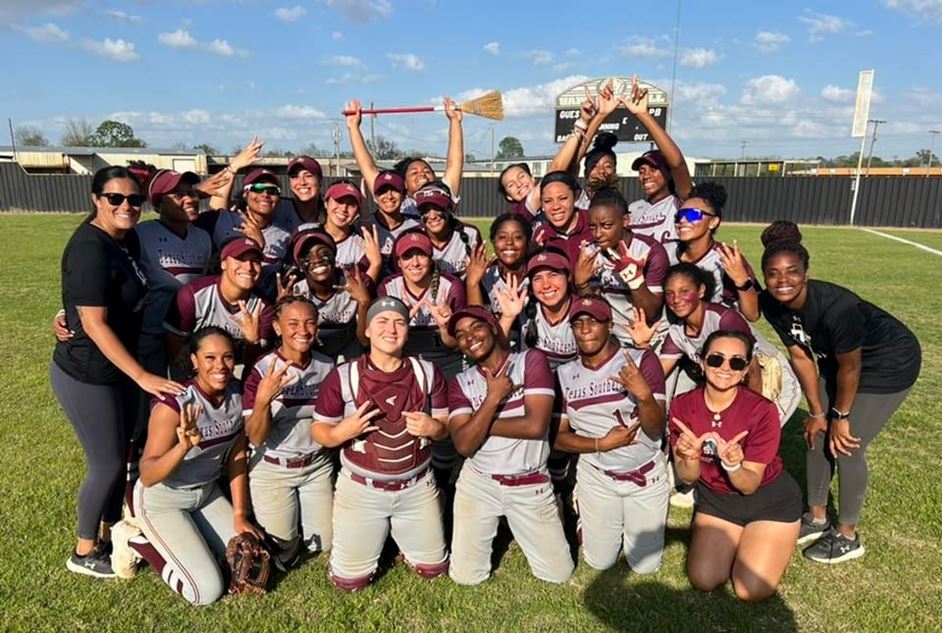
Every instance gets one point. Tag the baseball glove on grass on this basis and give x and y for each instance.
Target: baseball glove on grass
(249, 564)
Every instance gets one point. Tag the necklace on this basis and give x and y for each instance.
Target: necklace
(717, 421)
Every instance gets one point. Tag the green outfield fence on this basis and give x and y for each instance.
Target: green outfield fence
(904, 201)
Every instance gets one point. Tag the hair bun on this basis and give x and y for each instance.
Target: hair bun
(781, 231)
(604, 141)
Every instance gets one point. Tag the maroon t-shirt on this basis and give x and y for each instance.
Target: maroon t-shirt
(749, 411)
(545, 234)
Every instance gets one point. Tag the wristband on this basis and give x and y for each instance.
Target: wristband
(818, 416)
(730, 469)
(839, 415)
(580, 126)
(597, 447)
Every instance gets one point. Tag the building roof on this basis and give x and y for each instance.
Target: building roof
(90, 151)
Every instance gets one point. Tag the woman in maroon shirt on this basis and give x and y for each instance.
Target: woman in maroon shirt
(725, 439)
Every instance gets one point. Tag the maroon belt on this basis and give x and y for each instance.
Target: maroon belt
(526, 479)
(290, 462)
(637, 476)
(391, 484)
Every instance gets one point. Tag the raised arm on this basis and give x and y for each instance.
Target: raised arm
(222, 195)
(361, 152)
(454, 166)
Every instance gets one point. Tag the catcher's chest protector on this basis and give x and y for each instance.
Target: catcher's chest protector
(391, 449)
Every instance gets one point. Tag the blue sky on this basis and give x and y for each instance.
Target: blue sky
(779, 75)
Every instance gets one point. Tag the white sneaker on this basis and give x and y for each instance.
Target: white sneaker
(682, 499)
(124, 560)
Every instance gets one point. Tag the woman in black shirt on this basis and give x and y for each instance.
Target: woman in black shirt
(868, 362)
(93, 374)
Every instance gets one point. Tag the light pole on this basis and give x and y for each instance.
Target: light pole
(873, 141)
(932, 135)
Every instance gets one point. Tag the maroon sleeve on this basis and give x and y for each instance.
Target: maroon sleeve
(181, 316)
(731, 319)
(169, 402)
(680, 409)
(762, 442)
(267, 319)
(251, 387)
(537, 374)
(458, 402)
(655, 268)
(330, 405)
(456, 295)
(670, 349)
(438, 395)
(653, 373)
(383, 290)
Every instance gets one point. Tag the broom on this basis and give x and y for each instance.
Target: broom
(489, 106)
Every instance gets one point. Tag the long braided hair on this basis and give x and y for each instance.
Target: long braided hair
(531, 333)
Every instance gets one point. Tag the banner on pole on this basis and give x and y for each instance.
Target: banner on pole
(862, 109)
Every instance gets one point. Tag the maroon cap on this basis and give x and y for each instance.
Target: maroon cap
(340, 190)
(239, 247)
(307, 239)
(166, 180)
(305, 162)
(556, 261)
(413, 239)
(595, 307)
(435, 196)
(260, 175)
(654, 158)
(475, 312)
(389, 179)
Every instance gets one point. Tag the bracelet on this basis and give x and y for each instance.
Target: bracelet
(579, 125)
(597, 447)
(230, 169)
(818, 416)
(730, 469)
(840, 415)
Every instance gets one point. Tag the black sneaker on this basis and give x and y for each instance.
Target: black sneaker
(810, 530)
(834, 547)
(96, 563)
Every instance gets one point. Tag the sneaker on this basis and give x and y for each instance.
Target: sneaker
(124, 559)
(96, 564)
(682, 499)
(810, 529)
(834, 547)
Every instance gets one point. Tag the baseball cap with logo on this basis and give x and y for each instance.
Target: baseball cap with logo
(435, 196)
(654, 158)
(305, 240)
(340, 190)
(408, 241)
(166, 180)
(389, 179)
(239, 247)
(298, 163)
(476, 312)
(260, 175)
(595, 307)
(555, 261)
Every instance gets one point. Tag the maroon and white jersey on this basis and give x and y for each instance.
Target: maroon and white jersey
(681, 341)
(219, 426)
(494, 280)
(616, 291)
(289, 435)
(409, 207)
(351, 253)
(286, 216)
(556, 340)
(522, 209)
(336, 317)
(724, 290)
(594, 405)
(453, 257)
(749, 411)
(545, 234)
(390, 452)
(169, 262)
(200, 304)
(388, 236)
(655, 220)
(505, 455)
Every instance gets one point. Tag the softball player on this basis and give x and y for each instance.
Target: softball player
(191, 440)
(291, 477)
(228, 301)
(343, 202)
(499, 420)
(389, 191)
(561, 224)
(341, 299)
(452, 240)
(383, 410)
(305, 178)
(734, 282)
(611, 411)
(520, 190)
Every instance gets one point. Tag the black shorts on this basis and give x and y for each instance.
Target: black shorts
(779, 500)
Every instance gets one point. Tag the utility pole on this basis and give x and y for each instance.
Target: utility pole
(932, 135)
(873, 141)
(742, 156)
(337, 137)
(493, 149)
(670, 110)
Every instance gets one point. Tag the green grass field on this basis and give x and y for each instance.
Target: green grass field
(897, 586)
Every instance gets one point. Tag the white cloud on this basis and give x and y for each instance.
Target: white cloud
(336, 36)
(47, 33)
(299, 112)
(572, 52)
(863, 33)
(362, 11)
(344, 60)
(224, 48)
(769, 89)
(195, 117)
(643, 47)
(533, 100)
(702, 94)
(836, 94)
(492, 47)
(351, 78)
(406, 61)
(928, 9)
(698, 57)
(563, 67)
(771, 41)
(821, 24)
(11, 10)
(117, 50)
(178, 39)
(290, 15)
(539, 57)
(121, 16)
(923, 97)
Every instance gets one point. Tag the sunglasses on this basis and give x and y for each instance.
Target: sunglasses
(736, 363)
(691, 215)
(259, 187)
(116, 199)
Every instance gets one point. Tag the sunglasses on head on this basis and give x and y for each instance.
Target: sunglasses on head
(261, 187)
(736, 363)
(116, 199)
(691, 215)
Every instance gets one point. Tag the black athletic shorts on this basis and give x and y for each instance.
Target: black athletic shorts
(779, 500)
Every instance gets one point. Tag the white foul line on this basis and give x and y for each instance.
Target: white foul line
(899, 239)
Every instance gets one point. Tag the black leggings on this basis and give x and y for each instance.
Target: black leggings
(103, 418)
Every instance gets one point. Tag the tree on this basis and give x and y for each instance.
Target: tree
(116, 134)
(78, 133)
(469, 157)
(923, 156)
(509, 147)
(278, 153)
(384, 149)
(207, 149)
(29, 136)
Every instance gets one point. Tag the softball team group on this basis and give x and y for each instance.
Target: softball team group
(335, 381)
